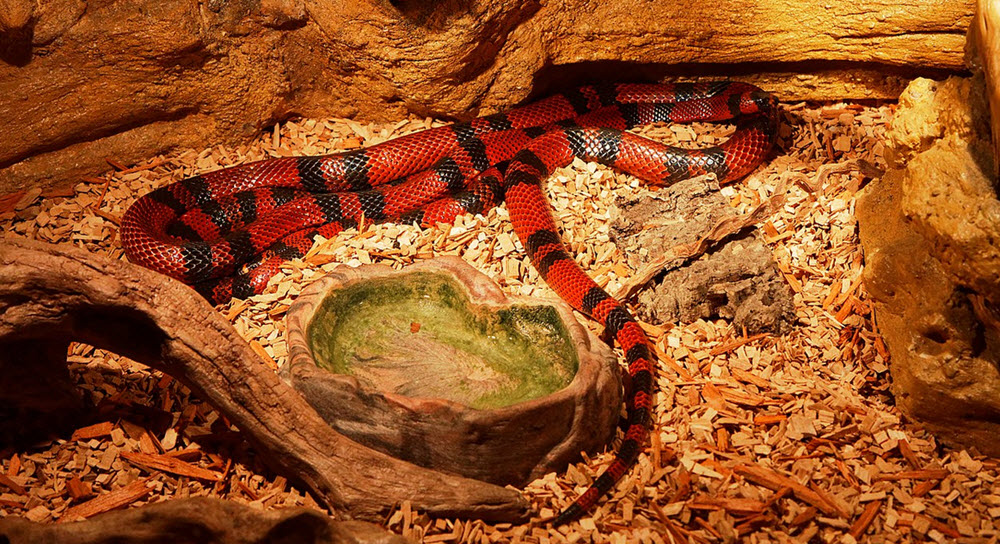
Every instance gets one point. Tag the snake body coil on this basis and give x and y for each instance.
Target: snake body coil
(204, 229)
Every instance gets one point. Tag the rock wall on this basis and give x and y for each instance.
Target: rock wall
(126, 79)
(930, 228)
(984, 55)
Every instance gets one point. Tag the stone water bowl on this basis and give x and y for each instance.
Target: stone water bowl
(434, 365)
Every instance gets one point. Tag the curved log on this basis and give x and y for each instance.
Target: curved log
(202, 520)
(51, 295)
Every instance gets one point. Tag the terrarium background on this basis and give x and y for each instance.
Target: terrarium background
(85, 81)
(181, 87)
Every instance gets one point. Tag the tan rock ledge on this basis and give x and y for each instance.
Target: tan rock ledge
(929, 228)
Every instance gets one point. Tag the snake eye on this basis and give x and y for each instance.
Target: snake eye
(761, 101)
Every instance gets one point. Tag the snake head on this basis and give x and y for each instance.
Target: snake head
(758, 102)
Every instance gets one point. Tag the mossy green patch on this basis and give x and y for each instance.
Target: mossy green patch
(419, 335)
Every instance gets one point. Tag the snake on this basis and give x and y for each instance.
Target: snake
(226, 232)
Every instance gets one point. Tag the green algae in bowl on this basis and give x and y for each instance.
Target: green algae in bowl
(418, 335)
(435, 365)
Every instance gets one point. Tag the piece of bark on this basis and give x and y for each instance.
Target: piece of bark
(860, 526)
(734, 505)
(704, 263)
(5, 481)
(93, 431)
(774, 481)
(170, 464)
(123, 496)
(50, 295)
(924, 474)
(78, 489)
(198, 520)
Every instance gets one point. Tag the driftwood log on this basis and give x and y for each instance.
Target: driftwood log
(52, 295)
(128, 79)
(199, 521)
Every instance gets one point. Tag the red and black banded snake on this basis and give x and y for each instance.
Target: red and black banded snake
(204, 230)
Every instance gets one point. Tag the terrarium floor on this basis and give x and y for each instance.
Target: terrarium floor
(735, 415)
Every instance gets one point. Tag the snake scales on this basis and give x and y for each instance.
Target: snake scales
(227, 232)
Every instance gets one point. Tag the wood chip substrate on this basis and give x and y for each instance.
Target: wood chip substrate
(758, 438)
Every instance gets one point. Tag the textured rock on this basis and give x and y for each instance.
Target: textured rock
(737, 281)
(406, 416)
(202, 521)
(930, 229)
(127, 79)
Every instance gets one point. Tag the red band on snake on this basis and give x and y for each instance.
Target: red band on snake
(227, 232)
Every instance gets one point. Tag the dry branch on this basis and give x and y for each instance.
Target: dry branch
(209, 521)
(51, 295)
(773, 480)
